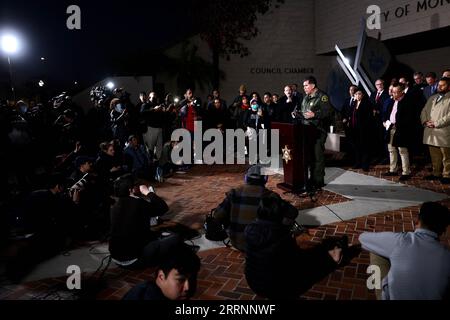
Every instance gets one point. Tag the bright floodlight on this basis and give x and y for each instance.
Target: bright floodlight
(42, 59)
(41, 83)
(110, 85)
(9, 44)
(176, 100)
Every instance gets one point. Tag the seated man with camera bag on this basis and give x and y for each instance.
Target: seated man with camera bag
(240, 206)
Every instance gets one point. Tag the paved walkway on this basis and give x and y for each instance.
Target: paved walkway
(364, 201)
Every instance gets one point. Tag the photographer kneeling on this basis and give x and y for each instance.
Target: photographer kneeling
(132, 243)
(47, 225)
(273, 254)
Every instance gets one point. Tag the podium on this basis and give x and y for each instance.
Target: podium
(295, 143)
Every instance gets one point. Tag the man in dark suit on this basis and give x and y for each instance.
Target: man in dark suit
(295, 93)
(377, 99)
(419, 81)
(347, 109)
(417, 100)
(348, 103)
(431, 89)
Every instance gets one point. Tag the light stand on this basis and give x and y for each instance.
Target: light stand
(11, 79)
(10, 45)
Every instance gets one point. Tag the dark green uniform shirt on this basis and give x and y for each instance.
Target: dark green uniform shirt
(319, 103)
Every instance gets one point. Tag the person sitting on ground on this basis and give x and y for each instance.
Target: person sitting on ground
(419, 264)
(176, 278)
(165, 162)
(137, 157)
(108, 165)
(47, 223)
(133, 244)
(272, 251)
(240, 206)
(93, 201)
(83, 165)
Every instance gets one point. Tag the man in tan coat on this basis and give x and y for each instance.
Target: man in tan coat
(435, 118)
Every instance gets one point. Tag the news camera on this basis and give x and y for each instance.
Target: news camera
(100, 93)
(60, 100)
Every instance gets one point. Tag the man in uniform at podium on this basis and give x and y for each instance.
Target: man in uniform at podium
(316, 112)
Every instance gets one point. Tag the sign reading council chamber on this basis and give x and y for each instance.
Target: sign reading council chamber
(281, 70)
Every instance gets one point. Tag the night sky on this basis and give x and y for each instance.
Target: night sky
(107, 29)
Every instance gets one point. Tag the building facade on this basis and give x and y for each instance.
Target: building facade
(298, 39)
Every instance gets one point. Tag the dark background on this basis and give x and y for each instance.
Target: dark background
(111, 33)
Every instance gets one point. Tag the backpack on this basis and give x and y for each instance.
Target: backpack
(215, 231)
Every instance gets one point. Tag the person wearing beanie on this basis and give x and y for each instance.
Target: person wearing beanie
(240, 206)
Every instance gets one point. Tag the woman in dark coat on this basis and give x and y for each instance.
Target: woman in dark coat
(360, 124)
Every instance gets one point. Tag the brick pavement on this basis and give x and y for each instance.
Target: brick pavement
(221, 277)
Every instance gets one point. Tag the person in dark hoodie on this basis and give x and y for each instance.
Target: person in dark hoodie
(132, 243)
(272, 251)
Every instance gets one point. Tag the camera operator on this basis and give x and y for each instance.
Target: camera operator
(133, 111)
(83, 165)
(132, 243)
(19, 150)
(91, 196)
(64, 102)
(155, 118)
(141, 125)
(190, 110)
(67, 129)
(98, 122)
(47, 222)
(119, 120)
(171, 108)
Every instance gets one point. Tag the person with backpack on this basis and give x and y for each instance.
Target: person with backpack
(240, 206)
(275, 266)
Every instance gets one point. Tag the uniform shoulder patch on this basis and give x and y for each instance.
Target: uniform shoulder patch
(325, 98)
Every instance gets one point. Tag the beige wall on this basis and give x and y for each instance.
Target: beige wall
(339, 21)
(435, 60)
(286, 41)
(291, 37)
